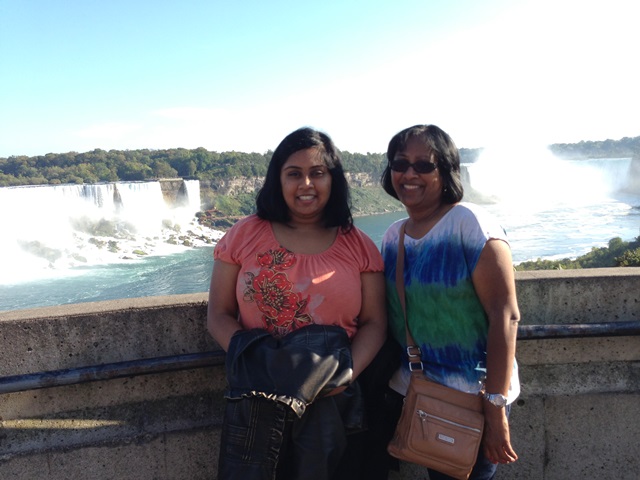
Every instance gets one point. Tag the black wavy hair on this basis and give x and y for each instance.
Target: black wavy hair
(444, 151)
(270, 201)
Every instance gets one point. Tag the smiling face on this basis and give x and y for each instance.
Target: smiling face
(306, 185)
(417, 191)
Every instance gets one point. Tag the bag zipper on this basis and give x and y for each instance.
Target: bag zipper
(424, 415)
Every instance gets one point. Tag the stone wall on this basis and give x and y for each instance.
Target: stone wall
(577, 416)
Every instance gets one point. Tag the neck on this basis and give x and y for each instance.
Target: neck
(302, 237)
(421, 222)
(302, 226)
(421, 217)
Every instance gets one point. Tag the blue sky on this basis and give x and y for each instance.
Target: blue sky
(82, 74)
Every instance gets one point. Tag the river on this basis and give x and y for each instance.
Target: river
(544, 216)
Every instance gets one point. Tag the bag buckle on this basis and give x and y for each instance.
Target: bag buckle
(414, 351)
(415, 358)
(416, 367)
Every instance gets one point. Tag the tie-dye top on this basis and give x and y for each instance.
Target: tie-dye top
(281, 291)
(444, 313)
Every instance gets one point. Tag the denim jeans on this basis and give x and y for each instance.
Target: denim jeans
(278, 444)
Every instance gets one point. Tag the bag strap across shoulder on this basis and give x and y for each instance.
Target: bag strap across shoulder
(413, 350)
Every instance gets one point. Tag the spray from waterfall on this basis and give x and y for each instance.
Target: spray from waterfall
(534, 179)
(547, 204)
(48, 231)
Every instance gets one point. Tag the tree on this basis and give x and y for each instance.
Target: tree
(134, 171)
(161, 169)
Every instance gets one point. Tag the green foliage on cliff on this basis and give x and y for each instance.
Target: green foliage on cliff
(137, 165)
(617, 254)
(129, 165)
(236, 206)
(626, 147)
(373, 200)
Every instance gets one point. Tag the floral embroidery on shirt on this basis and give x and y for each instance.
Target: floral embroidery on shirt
(283, 310)
(280, 259)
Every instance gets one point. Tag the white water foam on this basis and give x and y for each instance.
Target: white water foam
(557, 208)
(537, 180)
(49, 230)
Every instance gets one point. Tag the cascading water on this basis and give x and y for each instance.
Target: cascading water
(539, 180)
(549, 208)
(48, 230)
(192, 188)
(549, 205)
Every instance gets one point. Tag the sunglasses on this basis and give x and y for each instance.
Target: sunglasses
(419, 167)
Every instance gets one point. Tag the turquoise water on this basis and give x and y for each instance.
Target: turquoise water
(549, 209)
(549, 234)
(186, 272)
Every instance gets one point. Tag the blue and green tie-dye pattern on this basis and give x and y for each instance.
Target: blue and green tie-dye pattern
(445, 316)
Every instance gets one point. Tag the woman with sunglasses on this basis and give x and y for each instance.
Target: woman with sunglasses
(459, 284)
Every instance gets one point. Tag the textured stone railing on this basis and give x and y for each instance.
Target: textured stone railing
(576, 417)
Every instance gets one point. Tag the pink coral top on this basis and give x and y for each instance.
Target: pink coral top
(281, 291)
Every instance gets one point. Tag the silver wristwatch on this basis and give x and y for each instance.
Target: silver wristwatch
(496, 399)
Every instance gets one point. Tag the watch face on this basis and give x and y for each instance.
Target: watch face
(497, 399)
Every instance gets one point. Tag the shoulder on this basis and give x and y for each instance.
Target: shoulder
(251, 225)
(392, 232)
(358, 239)
(362, 248)
(356, 235)
(475, 214)
(249, 222)
(391, 238)
(476, 221)
(469, 210)
(245, 233)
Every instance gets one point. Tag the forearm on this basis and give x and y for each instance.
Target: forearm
(366, 344)
(495, 286)
(372, 322)
(222, 309)
(501, 348)
(222, 327)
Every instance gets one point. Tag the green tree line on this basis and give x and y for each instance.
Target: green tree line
(129, 165)
(199, 163)
(135, 165)
(627, 147)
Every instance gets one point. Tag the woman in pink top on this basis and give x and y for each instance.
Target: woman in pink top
(299, 261)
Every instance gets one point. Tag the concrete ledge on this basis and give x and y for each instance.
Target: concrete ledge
(55, 338)
(595, 295)
(576, 417)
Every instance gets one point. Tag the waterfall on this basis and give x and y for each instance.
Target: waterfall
(548, 204)
(192, 188)
(539, 180)
(50, 229)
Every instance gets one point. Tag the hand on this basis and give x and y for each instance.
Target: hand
(496, 440)
(336, 391)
